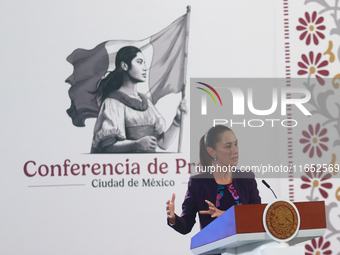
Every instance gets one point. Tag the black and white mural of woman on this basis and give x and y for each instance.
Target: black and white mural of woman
(106, 83)
(128, 121)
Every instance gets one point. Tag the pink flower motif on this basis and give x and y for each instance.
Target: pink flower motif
(233, 191)
(318, 248)
(311, 27)
(312, 66)
(314, 140)
(315, 179)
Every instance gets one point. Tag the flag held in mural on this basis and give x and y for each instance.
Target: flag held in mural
(165, 53)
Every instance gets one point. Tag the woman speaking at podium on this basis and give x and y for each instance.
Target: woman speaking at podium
(212, 193)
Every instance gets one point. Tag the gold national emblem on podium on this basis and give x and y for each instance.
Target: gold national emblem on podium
(281, 220)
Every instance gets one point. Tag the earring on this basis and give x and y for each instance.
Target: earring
(214, 160)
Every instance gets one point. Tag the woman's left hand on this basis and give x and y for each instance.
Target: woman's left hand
(213, 211)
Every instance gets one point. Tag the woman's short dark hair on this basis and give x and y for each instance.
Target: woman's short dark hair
(114, 80)
(210, 139)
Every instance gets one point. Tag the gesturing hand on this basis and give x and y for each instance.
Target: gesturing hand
(170, 209)
(213, 211)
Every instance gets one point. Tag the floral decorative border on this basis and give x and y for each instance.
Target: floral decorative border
(317, 66)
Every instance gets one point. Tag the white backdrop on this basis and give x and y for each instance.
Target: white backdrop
(227, 39)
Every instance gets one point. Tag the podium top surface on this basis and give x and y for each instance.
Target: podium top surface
(247, 219)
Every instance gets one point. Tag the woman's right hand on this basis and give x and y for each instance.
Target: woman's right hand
(170, 209)
(146, 143)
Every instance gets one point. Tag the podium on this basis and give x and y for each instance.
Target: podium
(241, 230)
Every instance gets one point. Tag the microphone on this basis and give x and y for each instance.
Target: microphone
(267, 185)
